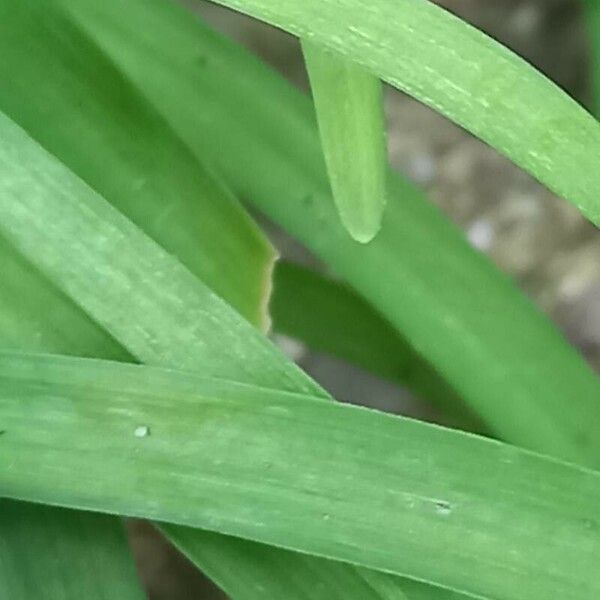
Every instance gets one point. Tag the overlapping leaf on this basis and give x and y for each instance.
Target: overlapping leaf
(329, 317)
(156, 308)
(297, 471)
(501, 355)
(84, 111)
(57, 554)
(462, 73)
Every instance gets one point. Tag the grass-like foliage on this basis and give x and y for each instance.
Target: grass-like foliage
(136, 376)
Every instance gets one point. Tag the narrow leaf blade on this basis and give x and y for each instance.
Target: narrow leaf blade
(282, 468)
(262, 567)
(592, 17)
(56, 554)
(349, 106)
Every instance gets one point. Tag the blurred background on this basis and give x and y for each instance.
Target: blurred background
(541, 241)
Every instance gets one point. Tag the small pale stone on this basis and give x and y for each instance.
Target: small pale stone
(481, 234)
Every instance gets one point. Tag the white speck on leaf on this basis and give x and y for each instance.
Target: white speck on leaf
(142, 431)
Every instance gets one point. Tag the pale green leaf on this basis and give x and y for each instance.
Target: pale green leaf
(299, 472)
(37, 317)
(349, 106)
(46, 548)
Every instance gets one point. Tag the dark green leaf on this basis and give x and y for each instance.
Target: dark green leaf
(329, 317)
(592, 16)
(56, 554)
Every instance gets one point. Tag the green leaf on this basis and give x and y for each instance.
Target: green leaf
(592, 17)
(463, 74)
(172, 319)
(412, 590)
(84, 111)
(84, 245)
(51, 549)
(504, 358)
(349, 105)
(273, 188)
(329, 317)
(37, 317)
(55, 554)
(297, 471)
(46, 547)
(34, 314)
(260, 567)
